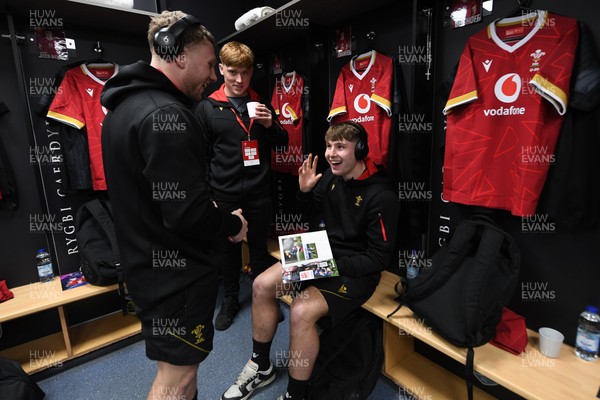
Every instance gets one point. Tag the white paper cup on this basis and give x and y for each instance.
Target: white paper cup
(550, 342)
(251, 106)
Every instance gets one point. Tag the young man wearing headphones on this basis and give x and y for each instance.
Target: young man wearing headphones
(360, 208)
(166, 224)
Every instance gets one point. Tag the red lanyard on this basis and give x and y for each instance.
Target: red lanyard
(239, 120)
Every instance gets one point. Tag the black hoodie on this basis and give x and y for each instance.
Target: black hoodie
(361, 219)
(229, 179)
(155, 164)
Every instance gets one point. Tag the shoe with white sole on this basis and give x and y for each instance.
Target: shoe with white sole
(248, 381)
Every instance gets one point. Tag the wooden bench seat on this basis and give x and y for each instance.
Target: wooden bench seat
(71, 341)
(530, 374)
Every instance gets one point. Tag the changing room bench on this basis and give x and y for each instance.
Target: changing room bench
(73, 340)
(530, 374)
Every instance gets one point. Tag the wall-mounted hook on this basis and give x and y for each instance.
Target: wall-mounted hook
(98, 48)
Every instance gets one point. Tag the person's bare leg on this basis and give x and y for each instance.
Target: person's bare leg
(259, 371)
(266, 288)
(174, 381)
(306, 310)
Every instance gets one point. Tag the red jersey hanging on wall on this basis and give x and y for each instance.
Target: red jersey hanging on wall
(287, 101)
(77, 104)
(363, 94)
(505, 111)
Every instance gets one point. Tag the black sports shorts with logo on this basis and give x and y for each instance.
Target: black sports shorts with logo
(343, 295)
(179, 330)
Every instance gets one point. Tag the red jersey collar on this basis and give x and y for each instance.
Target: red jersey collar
(370, 169)
(219, 95)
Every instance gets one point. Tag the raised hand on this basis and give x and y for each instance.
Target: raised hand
(307, 174)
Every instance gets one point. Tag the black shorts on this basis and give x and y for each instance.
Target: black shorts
(343, 295)
(180, 330)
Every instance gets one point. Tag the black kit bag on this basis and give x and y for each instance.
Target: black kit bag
(97, 242)
(15, 384)
(350, 359)
(471, 279)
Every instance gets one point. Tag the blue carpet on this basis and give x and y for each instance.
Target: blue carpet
(127, 374)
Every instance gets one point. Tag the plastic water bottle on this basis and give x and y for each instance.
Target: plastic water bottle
(588, 334)
(412, 267)
(44, 266)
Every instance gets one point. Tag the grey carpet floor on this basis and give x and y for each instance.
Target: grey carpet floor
(127, 374)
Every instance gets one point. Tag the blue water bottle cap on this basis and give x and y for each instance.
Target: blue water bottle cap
(592, 309)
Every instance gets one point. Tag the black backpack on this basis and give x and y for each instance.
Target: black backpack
(15, 384)
(471, 279)
(100, 257)
(350, 359)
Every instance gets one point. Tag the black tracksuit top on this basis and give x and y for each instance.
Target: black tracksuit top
(154, 153)
(228, 178)
(361, 219)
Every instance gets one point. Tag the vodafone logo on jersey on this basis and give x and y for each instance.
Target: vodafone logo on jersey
(286, 112)
(508, 87)
(507, 90)
(362, 103)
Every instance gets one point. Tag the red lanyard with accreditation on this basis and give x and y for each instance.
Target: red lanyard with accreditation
(249, 147)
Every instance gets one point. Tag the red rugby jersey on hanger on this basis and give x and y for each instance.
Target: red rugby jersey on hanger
(77, 103)
(505, 111)
(287, 101)
(363, 94)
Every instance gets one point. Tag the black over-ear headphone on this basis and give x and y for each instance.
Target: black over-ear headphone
(167, 40)
(361, 150)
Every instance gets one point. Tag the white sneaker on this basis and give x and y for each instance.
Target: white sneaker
(249, 380)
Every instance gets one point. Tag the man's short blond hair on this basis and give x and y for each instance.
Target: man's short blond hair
(192, 33)
(342, 131)
(236, 54)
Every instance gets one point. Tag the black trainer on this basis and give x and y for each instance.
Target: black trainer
(248, 381)
(229, 309)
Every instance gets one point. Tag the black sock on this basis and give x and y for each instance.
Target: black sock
(296, 389)
(260, 354)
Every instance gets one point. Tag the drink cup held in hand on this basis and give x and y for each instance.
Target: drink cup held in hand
(550, 342)
(251, 106)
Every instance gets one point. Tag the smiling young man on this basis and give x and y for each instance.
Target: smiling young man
(240, 166)
(154, 154)
(360, 208)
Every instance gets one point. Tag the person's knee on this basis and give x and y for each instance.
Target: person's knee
(176, 374)
(263, 286)
(303, 312)
(189, 375)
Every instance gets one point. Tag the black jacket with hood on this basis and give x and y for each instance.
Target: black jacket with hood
(154, 154)
(361, 219)
(229, 179)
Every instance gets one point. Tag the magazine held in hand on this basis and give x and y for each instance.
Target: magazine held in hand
(306, 256)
